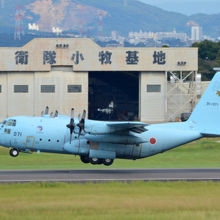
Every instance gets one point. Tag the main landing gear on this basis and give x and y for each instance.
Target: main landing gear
(14, 152)
(96, 161)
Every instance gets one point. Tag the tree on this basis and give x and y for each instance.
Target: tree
(218, 59)
(207, 49)
(209, 57)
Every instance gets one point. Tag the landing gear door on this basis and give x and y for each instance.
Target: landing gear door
(30, 141)
(136, 151)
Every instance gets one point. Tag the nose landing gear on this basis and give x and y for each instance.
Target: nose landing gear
(14, 152)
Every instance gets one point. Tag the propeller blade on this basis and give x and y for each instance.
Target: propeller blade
(70, 137)
(80, 131)
(81, 123)
(71, 125)
(84, 114)
(46, 110)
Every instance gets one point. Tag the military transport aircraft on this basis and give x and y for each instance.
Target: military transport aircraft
(99, 142)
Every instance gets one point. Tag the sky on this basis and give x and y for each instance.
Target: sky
(187, 7)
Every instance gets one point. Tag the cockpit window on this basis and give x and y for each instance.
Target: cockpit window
(10, 122)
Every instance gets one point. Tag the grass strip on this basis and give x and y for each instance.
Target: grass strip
(136, 200)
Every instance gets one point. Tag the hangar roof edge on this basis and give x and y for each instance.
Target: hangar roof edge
(94, 43)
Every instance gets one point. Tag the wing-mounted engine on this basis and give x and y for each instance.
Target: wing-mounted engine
(107, 132)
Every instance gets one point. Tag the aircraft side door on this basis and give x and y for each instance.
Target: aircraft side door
(30, 142)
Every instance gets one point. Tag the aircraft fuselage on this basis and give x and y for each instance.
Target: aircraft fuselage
(48, 134)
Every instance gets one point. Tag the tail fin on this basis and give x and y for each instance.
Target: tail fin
(206, 115)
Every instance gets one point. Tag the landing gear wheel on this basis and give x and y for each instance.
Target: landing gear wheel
(95, 161)
(108, 162)
(100, 161)
(85, 159)
(14, 152)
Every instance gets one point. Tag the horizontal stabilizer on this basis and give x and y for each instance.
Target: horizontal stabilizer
(211, 134)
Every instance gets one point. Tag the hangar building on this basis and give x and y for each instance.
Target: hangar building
(110, 83)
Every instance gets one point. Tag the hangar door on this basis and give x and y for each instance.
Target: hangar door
(113, 96)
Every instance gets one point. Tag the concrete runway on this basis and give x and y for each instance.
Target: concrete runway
(104, 175)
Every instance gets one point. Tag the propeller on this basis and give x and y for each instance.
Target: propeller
(71, 125)
(81, 123)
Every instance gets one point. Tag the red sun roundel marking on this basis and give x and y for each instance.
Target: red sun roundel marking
(153, 141)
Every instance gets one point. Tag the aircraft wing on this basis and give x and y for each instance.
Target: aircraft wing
(117, 132)
(137, 127)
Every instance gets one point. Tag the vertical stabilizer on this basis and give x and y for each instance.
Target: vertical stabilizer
(206, 115)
